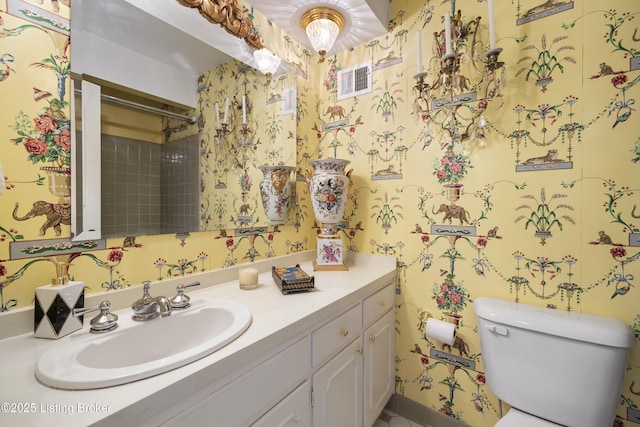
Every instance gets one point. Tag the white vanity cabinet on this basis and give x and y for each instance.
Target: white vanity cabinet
(293, 411)
(322, 358)
(352, 387)
(252, 394)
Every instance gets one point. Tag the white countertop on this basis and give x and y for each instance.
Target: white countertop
(276, 319)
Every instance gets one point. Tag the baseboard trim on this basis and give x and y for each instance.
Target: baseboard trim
(421, 414)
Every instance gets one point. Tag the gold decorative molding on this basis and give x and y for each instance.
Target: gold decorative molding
(229, 15)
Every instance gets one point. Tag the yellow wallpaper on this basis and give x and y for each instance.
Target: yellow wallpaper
(34, 56)
(550, 183)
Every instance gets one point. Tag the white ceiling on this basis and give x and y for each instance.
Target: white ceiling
(192, 42)
(364, 19)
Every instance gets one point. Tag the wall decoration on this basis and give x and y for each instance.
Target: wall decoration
(32, 248)
(541, 10)
(543, 215)
(541, 119)
(387, 211)
(548, 59)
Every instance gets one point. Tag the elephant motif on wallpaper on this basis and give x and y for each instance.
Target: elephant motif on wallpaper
(460, 345)
(56, 213)
(244, 209)
(451, 212)
(335, 110)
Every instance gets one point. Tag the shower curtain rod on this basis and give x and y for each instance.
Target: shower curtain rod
(143, 107)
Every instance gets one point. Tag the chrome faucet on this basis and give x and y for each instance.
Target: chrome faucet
(148, 307)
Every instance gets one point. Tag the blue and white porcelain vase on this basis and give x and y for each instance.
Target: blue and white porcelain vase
(329, 189)
(276, 192)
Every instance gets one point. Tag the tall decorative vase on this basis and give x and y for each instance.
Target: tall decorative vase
(329, 188)
(275, 190)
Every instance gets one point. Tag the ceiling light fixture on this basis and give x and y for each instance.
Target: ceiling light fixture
(267, 62)
(322, 25)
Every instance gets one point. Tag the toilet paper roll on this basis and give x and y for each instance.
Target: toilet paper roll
(441, 331)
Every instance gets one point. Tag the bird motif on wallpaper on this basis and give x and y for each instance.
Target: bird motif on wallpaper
(622, 116)
(39, 94)
(623, 290)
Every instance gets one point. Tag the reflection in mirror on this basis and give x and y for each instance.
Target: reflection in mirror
(258, 128)
(148, 184)
(162, 55)
(161, 174)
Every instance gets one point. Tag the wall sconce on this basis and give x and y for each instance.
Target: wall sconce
(222, 130)
(267, 62)
(452, 85)
(322, 25)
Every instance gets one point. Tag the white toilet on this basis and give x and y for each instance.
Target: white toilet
(553, 367)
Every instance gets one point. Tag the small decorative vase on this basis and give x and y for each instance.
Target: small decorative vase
(275, 190)
(329, 188)
(452, 192)
(59, 181)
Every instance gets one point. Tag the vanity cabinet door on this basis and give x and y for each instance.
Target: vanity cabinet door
(293, 411)
(337, 389)
(379, 375)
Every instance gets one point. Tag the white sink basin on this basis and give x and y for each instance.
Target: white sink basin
(137, 350)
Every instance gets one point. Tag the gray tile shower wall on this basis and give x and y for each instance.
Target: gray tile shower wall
(139, 176)
(180, 185)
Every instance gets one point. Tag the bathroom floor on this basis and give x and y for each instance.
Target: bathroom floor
(391, 419)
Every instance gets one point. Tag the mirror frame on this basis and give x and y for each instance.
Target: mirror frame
(86, 180)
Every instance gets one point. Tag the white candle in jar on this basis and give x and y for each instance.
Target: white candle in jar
(248, 278)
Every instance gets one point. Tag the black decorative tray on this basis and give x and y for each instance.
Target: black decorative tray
(292, 279)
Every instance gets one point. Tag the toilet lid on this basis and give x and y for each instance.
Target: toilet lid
(515, 418)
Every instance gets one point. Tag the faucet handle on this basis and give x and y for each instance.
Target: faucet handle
(103, 322)
(181, 300)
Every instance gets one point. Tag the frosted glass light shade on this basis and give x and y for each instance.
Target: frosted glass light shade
(267, 61)
(322, 34)
(322, 25)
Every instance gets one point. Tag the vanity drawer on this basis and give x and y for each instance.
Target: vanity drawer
(379, 303)
(248, 397)
(336, 334)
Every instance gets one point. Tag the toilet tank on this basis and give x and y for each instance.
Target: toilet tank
(561, 366)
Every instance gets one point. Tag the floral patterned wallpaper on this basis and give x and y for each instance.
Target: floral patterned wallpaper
(35, 158)
(527, 192)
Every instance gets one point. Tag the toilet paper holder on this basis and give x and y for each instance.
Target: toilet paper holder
(442, 330)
